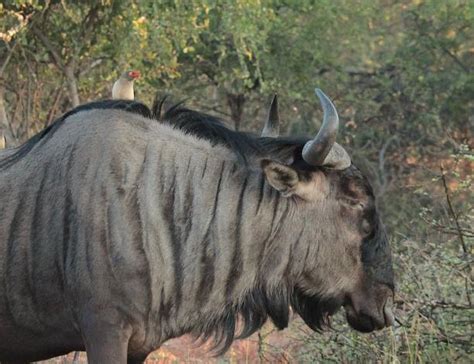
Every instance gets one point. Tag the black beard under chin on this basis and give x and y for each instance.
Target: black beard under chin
(315, 311)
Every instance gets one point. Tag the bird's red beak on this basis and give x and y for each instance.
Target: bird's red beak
(134, 74)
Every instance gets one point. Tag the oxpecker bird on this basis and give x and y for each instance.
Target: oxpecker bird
(123, 87)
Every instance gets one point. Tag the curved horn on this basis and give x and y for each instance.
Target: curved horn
(323, 150)
(272, 126)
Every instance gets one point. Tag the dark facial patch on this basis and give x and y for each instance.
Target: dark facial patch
(376, 256)
(375, 250)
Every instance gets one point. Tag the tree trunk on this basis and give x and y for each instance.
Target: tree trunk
(6, 136)
(72, 85)
(236, 104)
(67, 69)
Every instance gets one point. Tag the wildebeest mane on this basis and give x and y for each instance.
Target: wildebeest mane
(48, 132)
(314, 310)
(211, 129)
(259, 305)
(214, 130)
(208, 127)
(251, 313)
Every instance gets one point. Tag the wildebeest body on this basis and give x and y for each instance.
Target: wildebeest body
(117, 232)
(102, 230)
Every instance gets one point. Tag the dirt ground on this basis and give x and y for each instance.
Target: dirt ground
(270, 346)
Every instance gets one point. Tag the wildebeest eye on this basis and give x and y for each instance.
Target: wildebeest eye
(353, 203)
(366, 227)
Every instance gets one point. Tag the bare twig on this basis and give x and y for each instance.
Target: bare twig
(468, 296)
(455, 59)
(75, 360)
(214, 109)
(92, 65)
(7, 58)
(383, 176)
(469, 233)
(52, 110)
(452, 212)
(261, 347)
(433, 303)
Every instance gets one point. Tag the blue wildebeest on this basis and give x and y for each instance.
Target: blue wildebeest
(118, 233)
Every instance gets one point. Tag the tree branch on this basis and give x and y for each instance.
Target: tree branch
(383, 176)
(68, 69)
(49, 46)
(455, 59)
(7, 58)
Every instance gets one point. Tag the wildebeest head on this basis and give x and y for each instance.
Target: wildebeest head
(348, 261)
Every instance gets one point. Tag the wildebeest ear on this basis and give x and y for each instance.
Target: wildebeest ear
(281, 177)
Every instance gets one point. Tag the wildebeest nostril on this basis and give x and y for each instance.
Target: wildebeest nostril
(367, 316)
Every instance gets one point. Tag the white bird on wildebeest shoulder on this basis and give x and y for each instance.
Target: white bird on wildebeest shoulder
(123, 87)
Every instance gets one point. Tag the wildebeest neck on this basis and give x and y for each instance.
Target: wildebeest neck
(225, 230)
